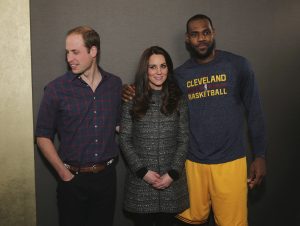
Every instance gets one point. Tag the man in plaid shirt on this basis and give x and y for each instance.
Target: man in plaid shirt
(83, 108)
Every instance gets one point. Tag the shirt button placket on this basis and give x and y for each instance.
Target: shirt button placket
(95, 112)
(96, 155)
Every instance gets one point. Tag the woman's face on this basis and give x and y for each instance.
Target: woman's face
(157, 71)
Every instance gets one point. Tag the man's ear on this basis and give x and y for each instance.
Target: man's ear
(214, 32)
(187, 39)
(93, 51)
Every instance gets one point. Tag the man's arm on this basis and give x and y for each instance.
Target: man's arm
(128, 92)
(256, 126)
(49, 151)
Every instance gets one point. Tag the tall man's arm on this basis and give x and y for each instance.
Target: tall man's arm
(49, 151)
(128, 92)
(256, 124)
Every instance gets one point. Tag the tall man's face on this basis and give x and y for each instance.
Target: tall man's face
(200, 37)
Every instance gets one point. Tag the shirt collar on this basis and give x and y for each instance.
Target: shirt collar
(73, 77)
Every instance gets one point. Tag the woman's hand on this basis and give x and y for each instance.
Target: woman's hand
(164, 182)
(151, 177)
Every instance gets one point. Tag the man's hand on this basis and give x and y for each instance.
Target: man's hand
(68, 176)
(49, 151)
(257, 172)
(128, 92)
(164, 182)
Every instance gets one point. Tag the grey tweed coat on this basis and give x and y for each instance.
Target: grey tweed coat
(159, 143)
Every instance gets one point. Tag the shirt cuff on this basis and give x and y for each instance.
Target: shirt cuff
(260, 155)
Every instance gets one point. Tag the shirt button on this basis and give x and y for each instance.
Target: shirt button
(95, 112)
(96, 154)
(94, 98)
(96, 140)
(96, 126)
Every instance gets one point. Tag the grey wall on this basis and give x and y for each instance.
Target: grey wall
(266, 32)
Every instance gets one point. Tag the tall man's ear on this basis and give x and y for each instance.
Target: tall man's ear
(187, 39)
(214, 32)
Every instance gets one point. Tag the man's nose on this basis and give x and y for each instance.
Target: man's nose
(201, 37)
(69, 58)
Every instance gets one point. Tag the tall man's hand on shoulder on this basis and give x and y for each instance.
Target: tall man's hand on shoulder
(257, 172)
(128, 92)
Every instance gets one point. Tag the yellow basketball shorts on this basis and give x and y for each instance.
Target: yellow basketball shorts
(222, 187)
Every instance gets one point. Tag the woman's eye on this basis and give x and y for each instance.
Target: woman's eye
(152, 67)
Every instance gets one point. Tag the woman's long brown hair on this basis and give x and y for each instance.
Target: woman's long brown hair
(170, 90)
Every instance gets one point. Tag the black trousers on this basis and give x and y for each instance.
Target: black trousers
(88, 199)
(154, 219)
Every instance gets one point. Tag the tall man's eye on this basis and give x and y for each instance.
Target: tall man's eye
(206, 32)
(193, 34)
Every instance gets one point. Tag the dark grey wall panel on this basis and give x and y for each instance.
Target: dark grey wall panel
(266, 32)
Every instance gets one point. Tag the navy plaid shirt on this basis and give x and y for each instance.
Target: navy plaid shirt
(84, 120)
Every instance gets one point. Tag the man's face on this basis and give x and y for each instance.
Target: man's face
(79, 58)
(201, 38)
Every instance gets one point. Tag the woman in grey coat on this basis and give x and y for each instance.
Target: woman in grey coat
(153, 139)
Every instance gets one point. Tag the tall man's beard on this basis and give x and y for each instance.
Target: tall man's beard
(202, 56)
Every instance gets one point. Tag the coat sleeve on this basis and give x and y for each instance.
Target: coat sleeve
(182, 137)
(126, 140)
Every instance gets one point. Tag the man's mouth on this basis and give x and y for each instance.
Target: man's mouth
(202, 45)
(73, 65)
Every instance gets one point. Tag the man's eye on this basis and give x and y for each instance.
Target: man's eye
(205, 33)
(193, 35)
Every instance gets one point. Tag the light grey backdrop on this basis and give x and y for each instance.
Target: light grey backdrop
(266, 32)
